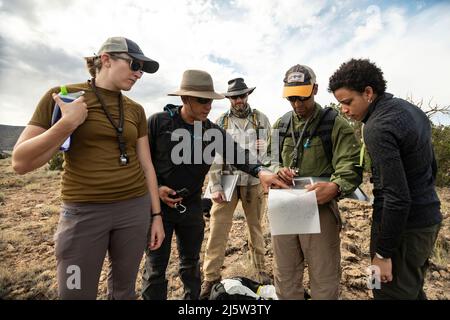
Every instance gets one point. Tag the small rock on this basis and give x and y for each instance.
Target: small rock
(353, 248)
(39, 206)
(435, 275)
(351, 258)
(10, 247)
(354, 273)
(438, 284)
(443, 273)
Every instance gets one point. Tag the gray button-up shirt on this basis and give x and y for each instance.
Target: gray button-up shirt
(243, 132)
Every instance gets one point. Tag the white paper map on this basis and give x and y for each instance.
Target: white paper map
(293, 211)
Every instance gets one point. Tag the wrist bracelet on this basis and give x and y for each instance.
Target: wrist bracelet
(156, 214)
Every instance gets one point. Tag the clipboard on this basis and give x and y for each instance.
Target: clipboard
(358, 194)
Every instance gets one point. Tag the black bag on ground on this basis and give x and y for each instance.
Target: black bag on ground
(246, 290)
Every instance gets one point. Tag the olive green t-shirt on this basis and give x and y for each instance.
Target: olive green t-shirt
(92, 172)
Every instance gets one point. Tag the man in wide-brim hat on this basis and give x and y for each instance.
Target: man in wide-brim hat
(197, 93)
(180, 184)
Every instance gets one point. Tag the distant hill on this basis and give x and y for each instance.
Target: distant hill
(9, 136)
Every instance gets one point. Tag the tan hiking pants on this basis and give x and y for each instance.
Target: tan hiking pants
(220, 226)
(322, 254)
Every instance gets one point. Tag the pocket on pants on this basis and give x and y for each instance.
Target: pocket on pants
(336, 213)
(419, 244)
(65, 232)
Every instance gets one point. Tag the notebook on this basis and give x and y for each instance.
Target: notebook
(228, 182)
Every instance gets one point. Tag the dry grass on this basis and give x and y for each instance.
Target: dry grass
(29, 213)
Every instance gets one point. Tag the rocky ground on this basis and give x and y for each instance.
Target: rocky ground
(29, 209)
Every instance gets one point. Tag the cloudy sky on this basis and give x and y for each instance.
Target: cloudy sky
(42, 43)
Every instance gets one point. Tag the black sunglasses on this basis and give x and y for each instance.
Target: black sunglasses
(301, 99)
(242, 96)
(203, 100)
(134, 65)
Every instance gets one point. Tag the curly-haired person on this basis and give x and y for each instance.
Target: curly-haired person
(406, 208)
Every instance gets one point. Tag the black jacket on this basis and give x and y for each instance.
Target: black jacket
(398, 138)
(190, 175)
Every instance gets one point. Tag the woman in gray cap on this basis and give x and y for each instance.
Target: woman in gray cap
(109, 187)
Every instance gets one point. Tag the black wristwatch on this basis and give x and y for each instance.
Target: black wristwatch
(257, 170)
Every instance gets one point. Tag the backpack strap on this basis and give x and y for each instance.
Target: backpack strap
(255, 119)
(172, 110)
(283, 127)
(223, 120)
(324, 130)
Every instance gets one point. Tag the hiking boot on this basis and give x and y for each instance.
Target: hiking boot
(206, 289)
(264, 278)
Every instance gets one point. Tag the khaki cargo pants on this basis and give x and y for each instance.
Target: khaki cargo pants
(320, 251)
(220, 226)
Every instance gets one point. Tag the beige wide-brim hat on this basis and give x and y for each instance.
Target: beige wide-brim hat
(197, 83)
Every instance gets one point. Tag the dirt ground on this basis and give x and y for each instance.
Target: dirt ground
(29, 210)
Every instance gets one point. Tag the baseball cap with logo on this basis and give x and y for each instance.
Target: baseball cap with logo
(299, 81)
(121, 44)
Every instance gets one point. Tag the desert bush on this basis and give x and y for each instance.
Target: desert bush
(441, 143)
(56, 163)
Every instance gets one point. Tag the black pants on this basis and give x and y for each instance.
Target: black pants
(189, 230)
(409, 263)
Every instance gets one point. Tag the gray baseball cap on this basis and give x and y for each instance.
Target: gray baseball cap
(121, 44)
(299, 81)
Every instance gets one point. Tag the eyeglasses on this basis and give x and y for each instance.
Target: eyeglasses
(203, 100)
(242, 96)
(301, 99)
(134, 64)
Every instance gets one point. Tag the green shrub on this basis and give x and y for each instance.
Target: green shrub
(56, 163)
(441, 144)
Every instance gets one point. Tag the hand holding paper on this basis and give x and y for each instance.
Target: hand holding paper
(325, 191)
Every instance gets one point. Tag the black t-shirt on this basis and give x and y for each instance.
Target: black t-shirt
(188, 174)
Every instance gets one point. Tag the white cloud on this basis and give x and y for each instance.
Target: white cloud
(259, 40)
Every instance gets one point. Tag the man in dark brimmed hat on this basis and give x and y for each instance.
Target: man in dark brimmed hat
(251, 129)
(180, 184)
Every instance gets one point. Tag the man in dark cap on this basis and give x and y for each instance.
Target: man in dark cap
(314, 142)
(250, 128)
